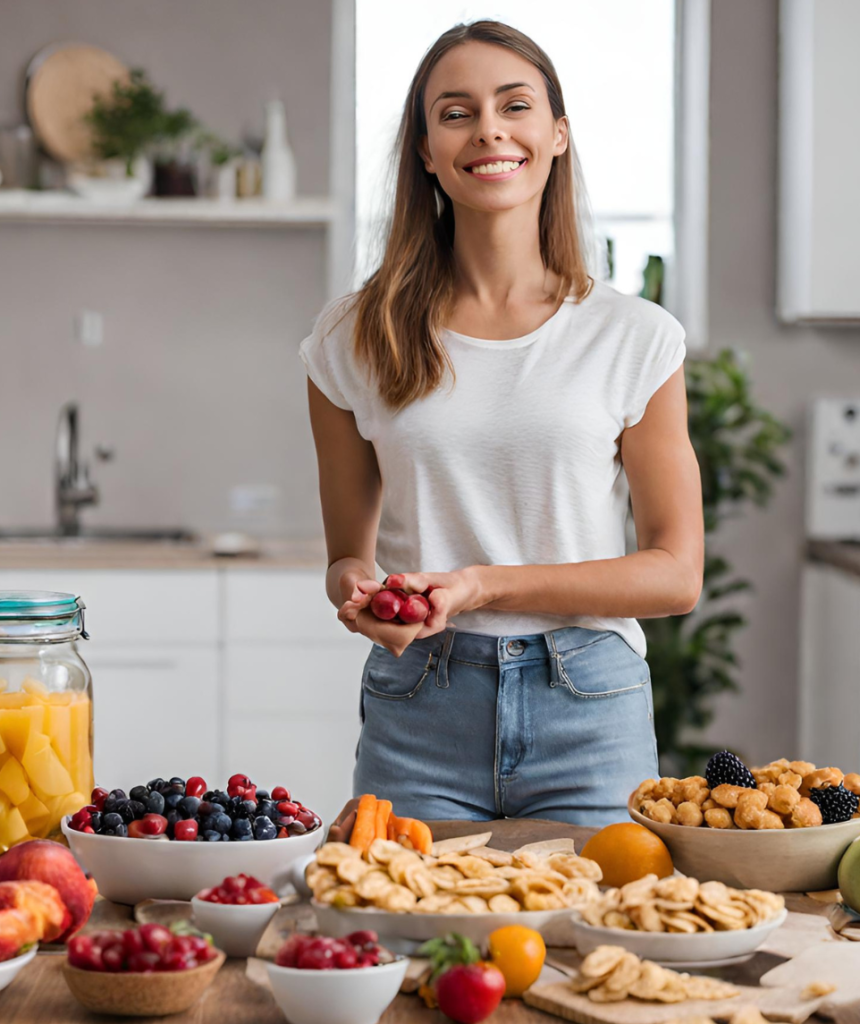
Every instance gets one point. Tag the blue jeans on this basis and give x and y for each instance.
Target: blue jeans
(463, 725)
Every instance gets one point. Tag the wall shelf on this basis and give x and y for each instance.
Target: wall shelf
(19, 206)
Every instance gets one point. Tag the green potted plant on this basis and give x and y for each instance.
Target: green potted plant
(128, 127)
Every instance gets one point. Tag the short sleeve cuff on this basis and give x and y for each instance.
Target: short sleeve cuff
(661, 374)
(319, 371)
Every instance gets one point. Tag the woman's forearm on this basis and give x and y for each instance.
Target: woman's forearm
(646, 584)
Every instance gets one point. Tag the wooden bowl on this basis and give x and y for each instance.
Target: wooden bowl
(132, 994)
(778, 860)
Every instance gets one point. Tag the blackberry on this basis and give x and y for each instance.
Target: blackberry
(727, 768)
(836, 803)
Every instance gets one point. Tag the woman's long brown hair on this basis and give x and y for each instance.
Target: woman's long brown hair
(402, 306)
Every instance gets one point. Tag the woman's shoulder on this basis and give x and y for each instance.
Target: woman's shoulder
(336, 317)
(634, 312)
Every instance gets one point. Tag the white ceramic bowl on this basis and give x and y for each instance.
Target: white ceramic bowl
(130, 870)
(236, 930)
(9, 968)
(778, 860)
(664, 947)
(358, 996)
(403, 933)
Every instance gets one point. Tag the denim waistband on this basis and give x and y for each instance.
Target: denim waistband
(492, 651)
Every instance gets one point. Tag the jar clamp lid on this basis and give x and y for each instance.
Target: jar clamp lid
(40, 616)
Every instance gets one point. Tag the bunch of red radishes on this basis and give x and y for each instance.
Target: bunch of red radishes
(393, 604)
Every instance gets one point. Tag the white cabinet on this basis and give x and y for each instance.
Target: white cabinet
(292, 677)
(829, 710)
(216, 671)
(819, 161)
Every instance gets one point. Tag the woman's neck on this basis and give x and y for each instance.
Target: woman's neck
(498, 258)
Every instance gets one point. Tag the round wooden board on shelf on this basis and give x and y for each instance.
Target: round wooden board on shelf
(61, 82)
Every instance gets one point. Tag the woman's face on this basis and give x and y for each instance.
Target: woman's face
(490, 146)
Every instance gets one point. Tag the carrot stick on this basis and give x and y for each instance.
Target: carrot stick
(393, 822)
(364, 829)
(383, 812)
(421, 836)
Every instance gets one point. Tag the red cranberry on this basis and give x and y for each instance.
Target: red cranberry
(195, 786)
(385, 605)
(185, 831)
(280, 793)
(98, 797)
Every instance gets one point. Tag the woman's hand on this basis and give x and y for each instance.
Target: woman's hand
(341, 828)
(356, 615)
(452, 593)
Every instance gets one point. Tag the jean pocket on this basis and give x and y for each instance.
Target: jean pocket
(397, 678)
(608, 667)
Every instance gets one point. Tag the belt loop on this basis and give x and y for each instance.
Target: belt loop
(442, 668)
(554, 660)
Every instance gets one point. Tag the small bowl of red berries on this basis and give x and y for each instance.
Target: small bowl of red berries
(171, 838)
(236, 913)
(319, 980)
(148, 971)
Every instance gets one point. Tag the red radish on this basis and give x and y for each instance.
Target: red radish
(399, 592)
(385, 605)
(415, 609)
(395, 581)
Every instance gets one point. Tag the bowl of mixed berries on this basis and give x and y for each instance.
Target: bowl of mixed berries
(148, 971)
(320, 980)
(173, 837)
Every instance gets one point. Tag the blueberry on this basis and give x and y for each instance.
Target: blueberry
(155, 803)
(244, 839)
(241, 827)
(206, 808)
(267, 808)
(176, 781)
(139, 793)
(225, 838)
(172, 818)
(115, 800)
(264, 827)
(222, 823)
(96, 823)
(263, 794)
(111, 819)
(173, 800)
(296, 829)
(121, 830)
(126, 811)
(220, 797)
(189, 806)
(211, 836)
(120, 794)
(155, 784)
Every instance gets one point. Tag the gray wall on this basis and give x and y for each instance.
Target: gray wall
(197, 384)
(788, 365)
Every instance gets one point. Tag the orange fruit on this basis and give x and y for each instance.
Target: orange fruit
(627, 851)
(519, 953)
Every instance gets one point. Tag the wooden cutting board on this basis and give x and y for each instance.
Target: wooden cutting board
(61, 83)
(835, 962)
(779, 1004)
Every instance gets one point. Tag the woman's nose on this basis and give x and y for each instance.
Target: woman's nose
(488, 129)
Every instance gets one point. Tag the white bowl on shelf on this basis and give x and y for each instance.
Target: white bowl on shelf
(236, 930)
(9, 968)
(357, 996)
(674, 948)
(130, 870)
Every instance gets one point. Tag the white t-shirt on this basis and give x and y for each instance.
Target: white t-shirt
(517, 462)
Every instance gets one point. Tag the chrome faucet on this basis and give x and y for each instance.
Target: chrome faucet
(72, 486)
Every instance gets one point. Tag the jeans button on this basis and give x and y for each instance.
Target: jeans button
(516, 648)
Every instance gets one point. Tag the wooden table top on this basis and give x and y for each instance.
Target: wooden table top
(39, 994)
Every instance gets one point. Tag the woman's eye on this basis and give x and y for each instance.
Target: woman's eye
(458, 114)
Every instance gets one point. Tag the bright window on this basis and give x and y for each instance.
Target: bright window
(615, 59)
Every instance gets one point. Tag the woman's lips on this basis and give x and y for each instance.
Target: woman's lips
(502, 176)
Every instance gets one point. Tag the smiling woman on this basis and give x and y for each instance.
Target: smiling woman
(483, 409)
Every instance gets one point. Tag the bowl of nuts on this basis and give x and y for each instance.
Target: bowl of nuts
(781, 827)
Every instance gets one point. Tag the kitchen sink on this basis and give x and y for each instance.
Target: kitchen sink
(117, 534)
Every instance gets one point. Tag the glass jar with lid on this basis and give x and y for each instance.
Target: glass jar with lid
(46, 714)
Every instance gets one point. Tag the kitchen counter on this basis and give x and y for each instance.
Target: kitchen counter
(843, 555)
(84, 553)
(39, 994)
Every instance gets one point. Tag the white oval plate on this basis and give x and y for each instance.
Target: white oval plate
(403, 933)
(699, 950)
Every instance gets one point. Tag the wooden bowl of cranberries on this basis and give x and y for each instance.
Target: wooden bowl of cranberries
(171, 838)
(148, 971)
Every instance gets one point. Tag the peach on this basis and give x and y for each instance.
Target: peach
(45, 861)
(43, 900)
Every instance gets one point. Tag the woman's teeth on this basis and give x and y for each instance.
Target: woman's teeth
(497, 168)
